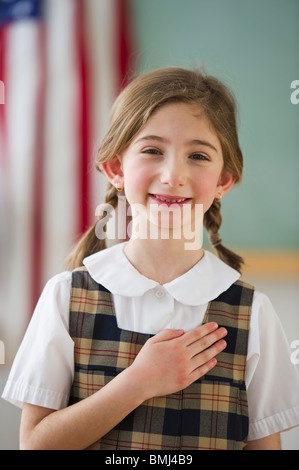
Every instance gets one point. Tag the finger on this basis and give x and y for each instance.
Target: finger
(198, 333)
(206, 341)
(166, 335)
(208, 354)
(203, 369)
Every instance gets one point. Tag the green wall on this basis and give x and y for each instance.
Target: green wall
(254, 47)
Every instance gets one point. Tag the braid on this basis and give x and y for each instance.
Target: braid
(212, 222)
(89, 242)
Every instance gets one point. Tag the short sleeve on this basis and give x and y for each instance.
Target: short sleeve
(43, 369)
(272, 379)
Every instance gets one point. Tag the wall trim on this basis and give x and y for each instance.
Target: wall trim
(270, 263)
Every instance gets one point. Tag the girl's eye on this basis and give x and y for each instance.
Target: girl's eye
(152, 151)
(198, 156)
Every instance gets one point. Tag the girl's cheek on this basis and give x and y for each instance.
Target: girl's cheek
(206, 184)
(136, 176)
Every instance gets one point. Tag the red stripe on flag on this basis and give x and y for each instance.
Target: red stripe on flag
(83, 118)
(38, 180)
(124, 46)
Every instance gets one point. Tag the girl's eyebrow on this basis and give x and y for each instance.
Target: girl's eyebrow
(203, 142)
(151, 137)
(162, 139)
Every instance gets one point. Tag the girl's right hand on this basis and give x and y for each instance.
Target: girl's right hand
(168, 362)
(172, 359)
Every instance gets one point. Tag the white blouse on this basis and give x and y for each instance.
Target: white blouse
(43, 370)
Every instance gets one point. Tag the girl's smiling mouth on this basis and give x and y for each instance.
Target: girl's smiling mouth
(169, 200)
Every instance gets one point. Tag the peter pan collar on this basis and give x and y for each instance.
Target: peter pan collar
(202, 283)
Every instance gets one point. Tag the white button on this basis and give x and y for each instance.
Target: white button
(159, 292)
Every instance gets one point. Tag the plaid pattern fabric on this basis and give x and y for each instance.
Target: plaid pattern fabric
(209, 414)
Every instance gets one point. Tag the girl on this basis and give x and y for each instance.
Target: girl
(155, 343)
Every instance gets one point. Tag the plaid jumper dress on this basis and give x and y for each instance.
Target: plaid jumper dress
(210, 414)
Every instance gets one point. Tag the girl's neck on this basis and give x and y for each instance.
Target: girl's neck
(161, 260)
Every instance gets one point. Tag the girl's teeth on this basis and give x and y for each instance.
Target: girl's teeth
(170, 200)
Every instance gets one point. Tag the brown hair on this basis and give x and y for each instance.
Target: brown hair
(130, 112)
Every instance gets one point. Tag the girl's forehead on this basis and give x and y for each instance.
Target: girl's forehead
(180, 111)
(186, 118)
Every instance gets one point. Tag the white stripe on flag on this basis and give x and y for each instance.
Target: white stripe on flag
(102, 46)
(61, 137)
(21, 104)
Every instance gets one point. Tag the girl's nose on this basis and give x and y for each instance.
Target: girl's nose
(173, 173)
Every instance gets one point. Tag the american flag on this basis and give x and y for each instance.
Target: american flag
(62, 62)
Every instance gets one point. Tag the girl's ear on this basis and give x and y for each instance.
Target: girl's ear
(226, 182)
(113, 170)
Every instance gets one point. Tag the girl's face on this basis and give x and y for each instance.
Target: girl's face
(176, 159)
